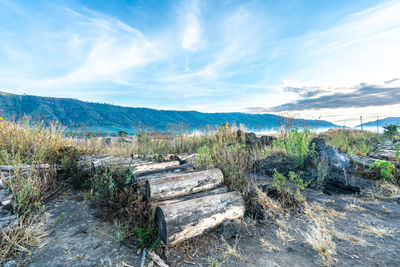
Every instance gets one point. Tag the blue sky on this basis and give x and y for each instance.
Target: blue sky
(330, 59)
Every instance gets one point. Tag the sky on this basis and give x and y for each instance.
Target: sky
(334, 59)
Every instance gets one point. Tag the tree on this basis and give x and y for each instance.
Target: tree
(391, 130)
(122, 134)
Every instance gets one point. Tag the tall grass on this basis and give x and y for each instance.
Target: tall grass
(33, 142)
(351, 142)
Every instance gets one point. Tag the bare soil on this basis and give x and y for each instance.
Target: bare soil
(79, 238)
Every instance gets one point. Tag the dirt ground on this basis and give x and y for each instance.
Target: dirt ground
(365, 232)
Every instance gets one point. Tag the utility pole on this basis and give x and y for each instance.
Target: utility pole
(377, 125)
(361, 124)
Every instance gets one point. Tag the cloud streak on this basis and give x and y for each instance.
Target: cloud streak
(363, 95)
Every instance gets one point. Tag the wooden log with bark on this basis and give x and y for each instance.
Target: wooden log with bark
(182, 184)
(183, 220)
(172, 171)
(211, 192)
(152, 166)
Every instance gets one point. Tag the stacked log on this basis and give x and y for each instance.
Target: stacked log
(166, 186)
(190, 202)
(143, 176)
(182, 220)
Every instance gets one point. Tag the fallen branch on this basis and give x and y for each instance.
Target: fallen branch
(157, 259)
(143, 258)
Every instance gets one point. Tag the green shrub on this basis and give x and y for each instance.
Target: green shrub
(148, 237)
(27, 190)
(289, 190)
(295, 143)
(386, 169)
(391, 130)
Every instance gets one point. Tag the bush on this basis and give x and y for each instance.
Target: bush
(391, 130)
(351, 141)
(295, 143)
(30, 189)
(289, 190)
(386, 169)
(233, 160)
(115, 192)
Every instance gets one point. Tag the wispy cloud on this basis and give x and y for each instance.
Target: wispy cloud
(363, 95)
(192, 30)
(207, 55)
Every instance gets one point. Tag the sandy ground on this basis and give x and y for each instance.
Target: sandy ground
(78, 238)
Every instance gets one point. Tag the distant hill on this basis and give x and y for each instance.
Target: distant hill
(383, 122)
(110, 118)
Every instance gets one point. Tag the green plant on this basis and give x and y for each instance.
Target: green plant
(28, 191)
(148, 237)
(289, 190)
(204, 157)
(212, 262)
(391, 130)
(120, 231)
(397, 154)
(295, 143)
(322, 173)
(61, 217)
(386, 169)
(351, 142)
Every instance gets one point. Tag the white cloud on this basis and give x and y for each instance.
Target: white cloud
(191, 37)
(364, 47)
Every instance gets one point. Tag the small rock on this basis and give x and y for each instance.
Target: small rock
(267, 140)
(231, 230)
(10, 264)
(151, 264)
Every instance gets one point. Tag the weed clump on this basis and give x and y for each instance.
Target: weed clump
(296, 145)
(289, 189)
(387, 170)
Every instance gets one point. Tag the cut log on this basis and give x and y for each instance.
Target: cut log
(183, 220)
(171, 171)
(151, 166)
(186, 158)
(157, 259)
(384, 155)
(182, 184)
(215, 191)
(12, 168)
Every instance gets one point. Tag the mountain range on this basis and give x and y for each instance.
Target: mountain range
(382, 122)
(111, 118)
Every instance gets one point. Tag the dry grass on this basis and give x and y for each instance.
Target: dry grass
(354, 206)
(389, 190)
(377, 231)
(314, 212)
(231, 250)
(384, 209)
(268, 245)
(347, 237)
(30, 143)
(321, 241)
(29, 232)
(269, 205)
(329, 211)
(284, 236)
